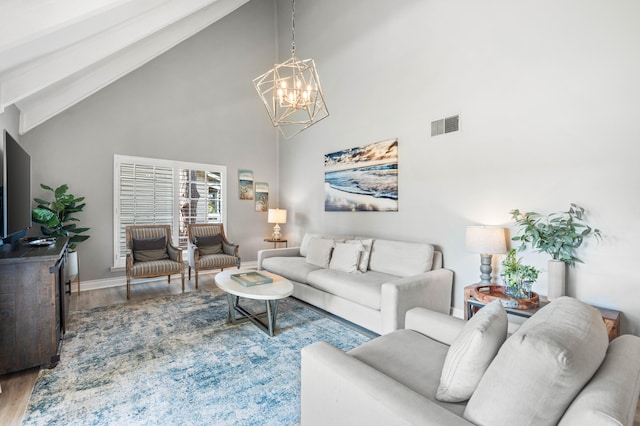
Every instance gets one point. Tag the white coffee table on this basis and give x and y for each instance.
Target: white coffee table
(271, 293)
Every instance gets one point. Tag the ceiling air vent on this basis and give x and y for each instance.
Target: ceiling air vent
(445, 125)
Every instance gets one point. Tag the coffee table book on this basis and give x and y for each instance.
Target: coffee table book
(249, 279)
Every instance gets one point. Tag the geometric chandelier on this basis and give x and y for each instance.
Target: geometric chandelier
(291, 91)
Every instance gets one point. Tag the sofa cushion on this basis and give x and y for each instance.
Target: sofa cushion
(292, 268)
(304, 245)
(409, 358)
(471, 353)
(364, 289)
(319, 252)
(210, 244)
(542, 367)
(149, 249)
(365, 248)
(399, 258)
(345, 257)
(610, 396)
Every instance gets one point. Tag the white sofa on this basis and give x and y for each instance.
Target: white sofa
(557, 368)
(391, 278)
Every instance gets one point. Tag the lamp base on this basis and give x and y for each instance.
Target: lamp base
(485, 268)
(276, 232)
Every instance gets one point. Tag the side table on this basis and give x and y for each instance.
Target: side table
(271, 240)
(611, 317)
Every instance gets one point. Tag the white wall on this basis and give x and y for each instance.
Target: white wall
(194, 103)
(548, 98)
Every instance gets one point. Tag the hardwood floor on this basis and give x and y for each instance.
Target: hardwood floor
(16, 387)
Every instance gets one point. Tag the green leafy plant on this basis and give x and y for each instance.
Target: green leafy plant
(515, 273)
(56, 216)
(557, 234)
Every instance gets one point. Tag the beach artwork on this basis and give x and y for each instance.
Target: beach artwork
(262, 196)
(363, 178)
(245, 184)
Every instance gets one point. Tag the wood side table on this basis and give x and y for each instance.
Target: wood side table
(611, 317)
(271, 240)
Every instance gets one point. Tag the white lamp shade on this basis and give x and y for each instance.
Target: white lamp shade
(277, 216)
(485, 240)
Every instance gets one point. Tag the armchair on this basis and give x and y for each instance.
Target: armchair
(151, 253)
(209, 248)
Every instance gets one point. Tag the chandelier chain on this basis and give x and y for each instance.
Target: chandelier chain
(293, 28)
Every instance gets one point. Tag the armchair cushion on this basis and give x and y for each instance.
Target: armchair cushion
(552, 355)
(150, 249)
(207, 245)
(472, 352)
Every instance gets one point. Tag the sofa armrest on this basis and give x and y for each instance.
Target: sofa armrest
(438, 326)
(338, 389)
(431, 290)
(277, 252)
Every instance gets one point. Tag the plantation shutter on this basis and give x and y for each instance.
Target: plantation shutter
(146, 197)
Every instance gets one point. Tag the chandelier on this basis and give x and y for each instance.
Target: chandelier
(291, 91)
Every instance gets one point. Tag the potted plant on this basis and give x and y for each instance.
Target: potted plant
(57, 220)
(518, 278)
(559, 234)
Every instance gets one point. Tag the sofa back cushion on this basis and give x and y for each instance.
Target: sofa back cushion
(399, 258)
(304, 245)
(364, 245)
(542, 367)
(471, 353)
(319, 252)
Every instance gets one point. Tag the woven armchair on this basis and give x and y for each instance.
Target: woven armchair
(151, 263)
(201, 258)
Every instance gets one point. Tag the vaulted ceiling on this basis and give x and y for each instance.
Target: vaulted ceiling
(55, 53)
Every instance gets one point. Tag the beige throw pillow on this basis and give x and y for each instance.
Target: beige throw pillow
(319, 252)
(472, 352)
(345, 257)
(365, 248)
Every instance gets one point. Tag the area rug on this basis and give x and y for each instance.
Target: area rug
(174, 360)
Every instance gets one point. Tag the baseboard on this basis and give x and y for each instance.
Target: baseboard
(122, 280)
(457, 312)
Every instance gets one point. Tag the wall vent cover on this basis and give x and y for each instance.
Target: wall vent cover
(445, 125)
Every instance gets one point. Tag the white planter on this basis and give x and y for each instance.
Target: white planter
(557, 279)
(71, 268)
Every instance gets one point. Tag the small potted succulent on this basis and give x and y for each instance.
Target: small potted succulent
(518, 278)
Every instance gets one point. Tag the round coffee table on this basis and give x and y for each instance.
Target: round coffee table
(271, 293)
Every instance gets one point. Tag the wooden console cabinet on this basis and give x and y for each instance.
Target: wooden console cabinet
(34, 304)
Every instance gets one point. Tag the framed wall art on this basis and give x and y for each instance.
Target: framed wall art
(364, 178)
(245, 184)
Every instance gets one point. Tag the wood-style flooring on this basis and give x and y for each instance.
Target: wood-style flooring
(17, 387)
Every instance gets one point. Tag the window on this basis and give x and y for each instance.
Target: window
(149, 191)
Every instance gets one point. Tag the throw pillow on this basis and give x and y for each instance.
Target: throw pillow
(148, 249)
(319, 252)
(471, 353)
(542, 367)
(210, 244)
(365, 247)
(345, 257)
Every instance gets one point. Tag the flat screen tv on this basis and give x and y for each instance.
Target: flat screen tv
(16, 190)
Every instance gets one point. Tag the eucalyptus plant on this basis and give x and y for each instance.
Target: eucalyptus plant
(557, 234)
(56, 216)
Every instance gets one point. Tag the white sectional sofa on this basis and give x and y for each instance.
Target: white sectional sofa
(368, 281)
(557, 368)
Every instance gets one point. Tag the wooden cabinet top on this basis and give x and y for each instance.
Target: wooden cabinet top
(23, 252)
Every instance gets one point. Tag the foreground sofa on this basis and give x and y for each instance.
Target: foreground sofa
(370, 282)
(557, 368)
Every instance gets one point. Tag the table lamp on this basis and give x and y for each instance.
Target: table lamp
(487, 241)
(277, 216)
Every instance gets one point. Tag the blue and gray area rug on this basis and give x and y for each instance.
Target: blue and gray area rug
(173, 360)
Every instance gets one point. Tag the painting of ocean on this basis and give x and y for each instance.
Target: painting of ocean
(363, 178)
